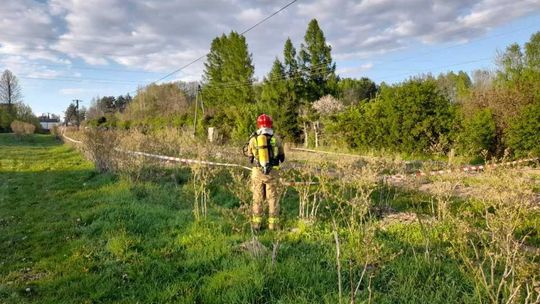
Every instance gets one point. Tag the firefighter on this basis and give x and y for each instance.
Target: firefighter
(265, 151)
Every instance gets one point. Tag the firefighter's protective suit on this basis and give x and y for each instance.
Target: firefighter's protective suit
(264, 182)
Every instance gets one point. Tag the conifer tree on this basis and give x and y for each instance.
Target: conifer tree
(291, 64)
(274, 89)
(228, 87)
(279, 99)
(228, 72)
(291, 106)
(316, 65)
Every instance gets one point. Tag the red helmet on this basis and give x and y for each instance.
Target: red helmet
(264, 121)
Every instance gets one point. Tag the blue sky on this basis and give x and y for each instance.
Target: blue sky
(67, 49)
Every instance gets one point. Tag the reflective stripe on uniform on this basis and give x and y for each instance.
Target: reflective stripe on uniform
(256, 219)
(275, 148)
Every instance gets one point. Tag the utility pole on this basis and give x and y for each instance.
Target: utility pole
(197, 108)
(77, 112)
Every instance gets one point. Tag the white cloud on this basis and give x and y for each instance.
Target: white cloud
(161, 36)
(250, 15)
(354, 70)
(73, 91)
(25, 68)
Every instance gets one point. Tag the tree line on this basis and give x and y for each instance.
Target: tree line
(487, 113)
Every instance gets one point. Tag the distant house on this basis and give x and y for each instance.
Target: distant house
(47, 122)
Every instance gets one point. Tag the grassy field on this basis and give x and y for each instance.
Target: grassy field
(71, 235)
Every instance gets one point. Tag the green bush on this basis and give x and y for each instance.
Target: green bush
(408, 117)
(523, 135)
(479, 133)
(349, 125)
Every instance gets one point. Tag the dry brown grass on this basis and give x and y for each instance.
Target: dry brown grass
(22, 128)
(490, 184)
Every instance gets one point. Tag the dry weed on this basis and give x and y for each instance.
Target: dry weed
(239, 185)
(503, 270)
(99, 146)
(309, 189)
(201, 177)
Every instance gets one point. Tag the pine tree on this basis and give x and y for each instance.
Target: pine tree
(290, 124)
(228, 72)
(279, 98)
(291, 64)
(316, 65)
(274, 89)
(228, 87)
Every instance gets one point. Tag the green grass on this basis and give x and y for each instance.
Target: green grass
(71, 235)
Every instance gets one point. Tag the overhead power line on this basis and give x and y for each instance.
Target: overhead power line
(94, 41)
(242, 33)
(98, 80)
(319, 69)
(442, 67)
(234, 83)
(268, 17)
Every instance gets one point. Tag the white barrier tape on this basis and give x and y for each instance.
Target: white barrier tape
(479, 167)
(394, 177)
(181, 160)
(463, 169)
(71, 139)
(169, 158)
(193, 161)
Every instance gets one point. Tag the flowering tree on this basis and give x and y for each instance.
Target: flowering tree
(325, 106)
(328, 105)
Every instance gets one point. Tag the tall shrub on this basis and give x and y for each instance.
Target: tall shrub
(99, 146)
(479, 133)
(408, 117)
(22, 128)
(523, 135)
